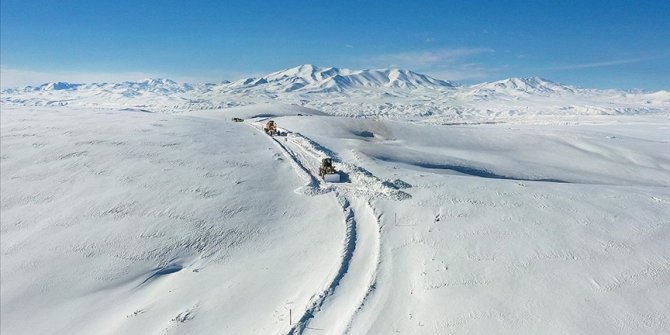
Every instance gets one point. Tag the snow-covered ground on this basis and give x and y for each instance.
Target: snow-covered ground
(119, 220)
(514, 228)
(126, 222)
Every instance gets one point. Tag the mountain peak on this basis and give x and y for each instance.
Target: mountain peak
(57, 86)
(522, 85)
(307, 68)
(311, 78)
(157, 81)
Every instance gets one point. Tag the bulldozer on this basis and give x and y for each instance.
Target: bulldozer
(327, 171)
(271, 128)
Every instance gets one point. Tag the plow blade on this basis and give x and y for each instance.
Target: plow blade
(332, 178)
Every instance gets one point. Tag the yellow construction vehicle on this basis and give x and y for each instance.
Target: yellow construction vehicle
(271, 128)
(327, 171)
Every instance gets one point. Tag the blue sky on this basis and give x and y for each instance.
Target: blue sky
(599, 44)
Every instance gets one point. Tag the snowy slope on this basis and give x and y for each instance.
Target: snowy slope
(123, 221)
(120, 222)
(500, 232)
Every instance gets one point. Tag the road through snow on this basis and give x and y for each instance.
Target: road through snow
(332, 311)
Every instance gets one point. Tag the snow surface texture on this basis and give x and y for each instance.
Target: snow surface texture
(118, 220)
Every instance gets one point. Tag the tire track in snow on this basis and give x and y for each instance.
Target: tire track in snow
(333, 311)
(335, 307)
(372, 286)
(349, 247)
(314, 186)
(338, 311)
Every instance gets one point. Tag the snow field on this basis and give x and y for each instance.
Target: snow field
(503, 234)
(126, 222)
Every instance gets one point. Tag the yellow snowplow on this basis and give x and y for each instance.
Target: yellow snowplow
(327, 171)
(271, 128)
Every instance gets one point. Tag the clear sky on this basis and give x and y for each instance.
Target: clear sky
(595, 44)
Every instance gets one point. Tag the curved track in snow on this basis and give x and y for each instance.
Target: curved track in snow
(332, 310)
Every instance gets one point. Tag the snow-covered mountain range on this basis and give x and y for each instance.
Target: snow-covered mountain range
(311, 79)
(392, 93)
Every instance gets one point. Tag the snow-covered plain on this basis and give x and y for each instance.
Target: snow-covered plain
(118, 219)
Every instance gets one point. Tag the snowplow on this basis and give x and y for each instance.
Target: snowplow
(271, 128)
(327, 171)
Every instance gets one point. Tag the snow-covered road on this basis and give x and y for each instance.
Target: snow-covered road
(332, 310)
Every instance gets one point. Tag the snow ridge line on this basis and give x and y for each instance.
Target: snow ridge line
(314, 148)
(347, 255)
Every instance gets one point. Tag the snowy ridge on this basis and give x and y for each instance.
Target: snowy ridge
(310, 78)
(386, 93)
(156, 85)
